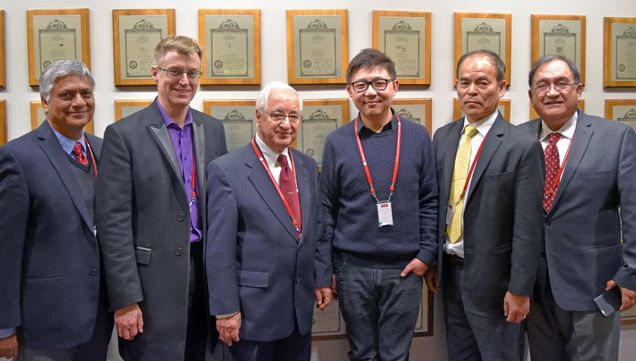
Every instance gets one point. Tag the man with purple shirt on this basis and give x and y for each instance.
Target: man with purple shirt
(150, 212)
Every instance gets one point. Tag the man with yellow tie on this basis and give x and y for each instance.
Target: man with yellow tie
(490, 187)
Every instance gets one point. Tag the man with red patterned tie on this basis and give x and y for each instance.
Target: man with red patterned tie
(264, 270)
(590, 175)
(52, 301)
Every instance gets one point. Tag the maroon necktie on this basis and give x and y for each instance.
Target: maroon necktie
(78, 152)
(287, 185)
(552, 163)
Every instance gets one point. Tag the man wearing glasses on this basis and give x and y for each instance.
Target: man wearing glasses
(589, 201)
(380, 213)
(150, 211)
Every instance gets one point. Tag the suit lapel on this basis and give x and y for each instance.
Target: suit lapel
(59, 160)
(492, 143)
(198, 139)
(304, 190)
(450, 152)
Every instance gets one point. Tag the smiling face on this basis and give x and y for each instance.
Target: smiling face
(70, 106)
(176, 93)
(373, 104)
(477, 87)
(278, 134)
(555, 106)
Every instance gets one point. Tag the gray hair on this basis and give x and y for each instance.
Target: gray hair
(549, 58)
(492, 57)
(263, 97)
(61, 69)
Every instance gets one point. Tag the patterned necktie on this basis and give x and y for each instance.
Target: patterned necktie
(78, 152)
(552, 163)
(462, 159)
(287, 185)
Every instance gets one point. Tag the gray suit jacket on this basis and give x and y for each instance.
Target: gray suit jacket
(582, 236)
(143, 215)
(502, 215)
(255, 262)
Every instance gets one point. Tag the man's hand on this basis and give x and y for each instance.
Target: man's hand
(129, 322)
(228, 328)
(515, 307)
(416, 266)
(432, 278)
(628, 297)
(323, 297)
(9, 347)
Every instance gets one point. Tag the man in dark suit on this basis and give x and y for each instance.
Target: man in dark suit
(264, 269)
(488, 173)
(51, 304)
(150, 213)
(590, 199)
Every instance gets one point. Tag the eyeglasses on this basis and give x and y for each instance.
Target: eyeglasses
(176, 73)
(280, 116)
(543, 88)
(378, 84)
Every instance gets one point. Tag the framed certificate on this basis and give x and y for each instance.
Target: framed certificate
(38, 116)
(621, 110)
(317, 46)
(533, 113)
(135, 35)
(320, 117)
(55, 35)
(238, 117)
(418, 110)
(424, 323)
(124, 108)
(3, 122)
(619, 49)
(3, 61)
(504, 109)
(559, 35)
(477, 31)
(405, 37)
(328, 324)
(231, 42)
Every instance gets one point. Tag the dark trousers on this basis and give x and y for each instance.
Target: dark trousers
(198, 324)
(295, 347)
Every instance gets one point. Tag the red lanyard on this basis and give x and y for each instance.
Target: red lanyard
(90, 151)
(260, 157)
(396, 164)
(194, 180)
(471, 169)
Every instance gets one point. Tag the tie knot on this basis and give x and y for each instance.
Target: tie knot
(553, 138)
(282, 159)
(470, 131)
(78, 149)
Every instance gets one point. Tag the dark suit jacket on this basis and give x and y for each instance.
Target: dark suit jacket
(582, 236)
(49, 258)
(255, 262)
(143, 216)
(502, 214)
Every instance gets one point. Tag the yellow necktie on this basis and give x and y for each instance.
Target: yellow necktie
(462, 159)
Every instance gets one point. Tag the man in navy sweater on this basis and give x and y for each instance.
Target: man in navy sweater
(380, 213)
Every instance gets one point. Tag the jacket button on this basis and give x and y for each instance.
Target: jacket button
(548, 223)
(93, 272)
(180, 218)
(298, 279)
(179, 251)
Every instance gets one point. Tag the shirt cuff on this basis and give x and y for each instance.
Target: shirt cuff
(226, 315)
(6, 332)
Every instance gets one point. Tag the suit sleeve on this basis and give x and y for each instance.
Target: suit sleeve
(114, 197)
(626, 275)
(14, 211)
(329, 198)
(324, 268)
(222, 272)
(528, 221)
(428, 202)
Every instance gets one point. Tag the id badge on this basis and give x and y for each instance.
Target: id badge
(449, 214)
(385, 214)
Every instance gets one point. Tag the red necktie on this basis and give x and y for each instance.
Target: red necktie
(287, 185)
(78, 152)
(552, 164)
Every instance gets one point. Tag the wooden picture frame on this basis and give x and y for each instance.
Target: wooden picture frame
(405, 37)
(38, 116)
(126, 107)
(619, 52)
(475, 31)
(136, 32)
(3, 57)
(533, 113)
(3, 122)
(418, 110)
(317, 46)
(559, 35)
(424, 323)
(623, 111)
(320, 117)
(503, 107)
(238, 117)
(231, 43)
(55, 35)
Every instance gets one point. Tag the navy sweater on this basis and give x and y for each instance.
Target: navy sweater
(349, 210)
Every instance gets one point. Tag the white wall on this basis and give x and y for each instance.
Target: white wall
(18, 94)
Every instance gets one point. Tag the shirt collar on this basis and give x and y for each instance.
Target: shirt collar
(270, 156)
(390, 125)
(68, 143)
(168, 121)
(566, 131)
(484, 125)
